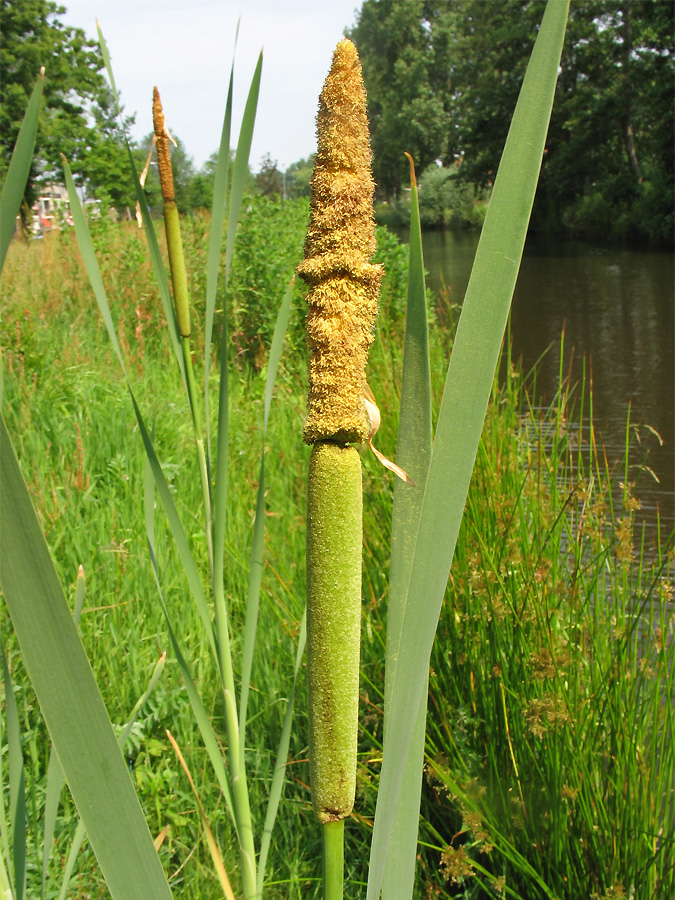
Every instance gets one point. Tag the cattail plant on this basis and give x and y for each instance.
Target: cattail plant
(343, 286)
(179, 284)
(171, 220)
(342, 300)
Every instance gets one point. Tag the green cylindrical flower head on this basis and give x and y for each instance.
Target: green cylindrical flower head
(334, 536)
(343, 284)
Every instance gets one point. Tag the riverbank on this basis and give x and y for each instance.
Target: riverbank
(549, 730)
(614, 308)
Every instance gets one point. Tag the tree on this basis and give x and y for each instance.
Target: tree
(269, 181)
(404, 49)
(33, 36)
(104, 165)
(298, 175)
(611, 138)
(443, 79)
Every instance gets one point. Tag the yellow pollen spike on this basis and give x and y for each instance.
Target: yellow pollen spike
(343, 284)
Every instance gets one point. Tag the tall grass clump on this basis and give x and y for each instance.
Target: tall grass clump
(550, 768)
(211, 449)
(86, 750)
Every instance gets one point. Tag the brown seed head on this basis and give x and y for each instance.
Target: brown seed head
(163, 155)
(344, 285)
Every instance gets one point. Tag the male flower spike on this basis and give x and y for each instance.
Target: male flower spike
(343, 284)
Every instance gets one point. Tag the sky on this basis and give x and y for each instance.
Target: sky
(185, 48)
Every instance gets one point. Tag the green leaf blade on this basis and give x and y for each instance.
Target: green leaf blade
(239, 174)
(19, 168)
(257, 547)
(216, 234)
(413, 454)
(17, 783)
(69, 697)
(465, 399)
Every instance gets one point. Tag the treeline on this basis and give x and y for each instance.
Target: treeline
(443, 77)
(194, 186)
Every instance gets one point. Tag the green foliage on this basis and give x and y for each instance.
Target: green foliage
(539, 662)
(269, 181)
(66, 403)
(611, 133)
(105, 169)
(270, 244)
(298, 175)
(404, 47)
(443, 78)
(446, 201)
(77, 118)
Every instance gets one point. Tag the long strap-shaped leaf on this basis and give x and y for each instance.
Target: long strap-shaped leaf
(182, 545)
(465, 398)
(220, 192)
(55, 777)
(239, 175)
(19, 167)
(17, 783)
(276, 788)
(256, 563)
(413, 453)
(69, 697)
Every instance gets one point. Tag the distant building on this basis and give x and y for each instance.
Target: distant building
(51, 209)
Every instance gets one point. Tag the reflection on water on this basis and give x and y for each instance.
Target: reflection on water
(616, 309)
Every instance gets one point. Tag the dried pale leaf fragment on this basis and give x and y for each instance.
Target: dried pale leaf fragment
(344, 285)
(373, 411)
(142, 177)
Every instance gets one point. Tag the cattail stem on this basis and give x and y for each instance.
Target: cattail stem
(342, 301)
(333, 859)
(174, 243)
(181, 300)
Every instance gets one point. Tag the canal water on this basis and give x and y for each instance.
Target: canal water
(616, 309)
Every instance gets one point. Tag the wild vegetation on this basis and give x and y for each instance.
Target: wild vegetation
(442, 79)
(549, 754)
(547, 729)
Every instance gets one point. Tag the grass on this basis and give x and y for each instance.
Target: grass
(550, 736)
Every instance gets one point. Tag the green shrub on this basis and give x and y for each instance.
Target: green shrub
(445, 202)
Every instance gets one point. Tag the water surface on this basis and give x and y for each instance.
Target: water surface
(615, 307)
